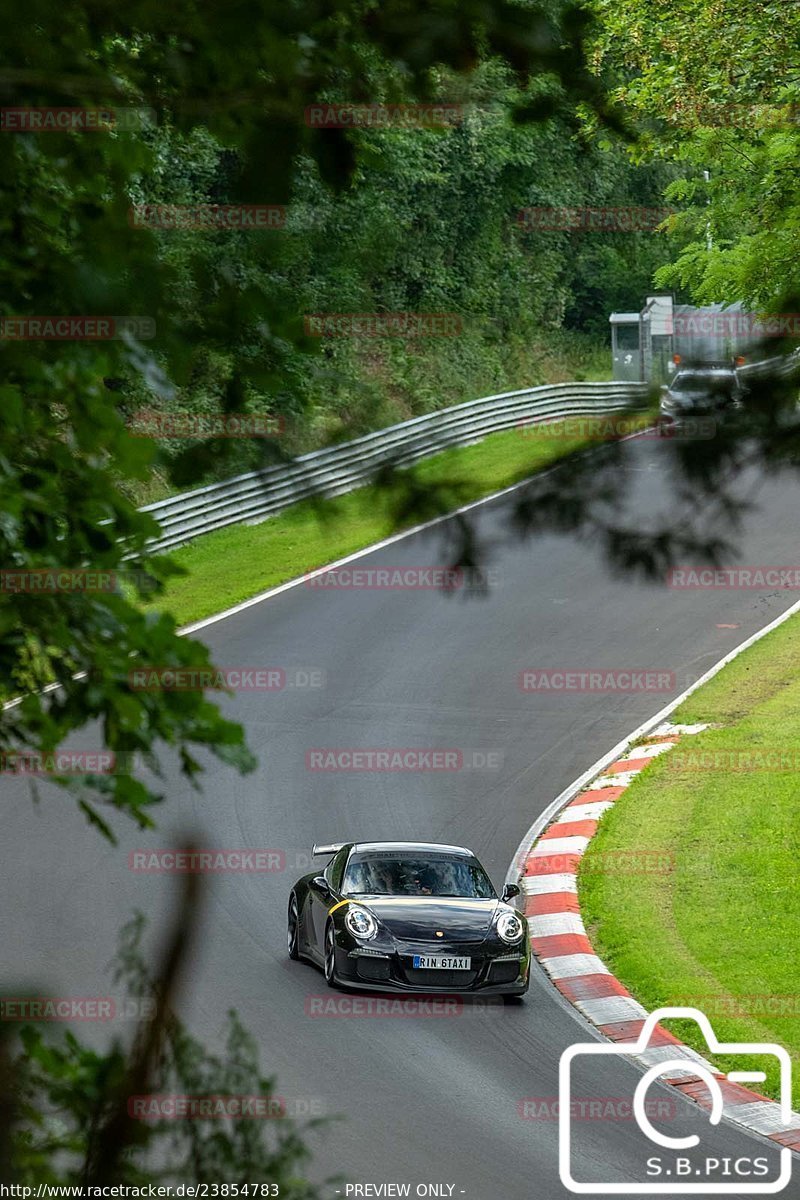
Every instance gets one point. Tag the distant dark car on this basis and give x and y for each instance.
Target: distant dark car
(409, 917)
(700, 395)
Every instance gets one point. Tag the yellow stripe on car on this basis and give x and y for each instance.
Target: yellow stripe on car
(331, 911)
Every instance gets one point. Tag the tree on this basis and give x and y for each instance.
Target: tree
(712, 86)
(66, 457)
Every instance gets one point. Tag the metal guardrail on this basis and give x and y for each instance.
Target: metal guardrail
(254, 496)
(782, 367)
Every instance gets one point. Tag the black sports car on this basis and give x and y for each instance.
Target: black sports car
(699, 397)
(408, 916)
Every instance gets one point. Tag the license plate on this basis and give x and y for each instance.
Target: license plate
(440, 962)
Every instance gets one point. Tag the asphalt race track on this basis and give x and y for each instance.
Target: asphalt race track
(424, 1100)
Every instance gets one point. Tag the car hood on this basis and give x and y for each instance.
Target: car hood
(699, 399)
(416, 918)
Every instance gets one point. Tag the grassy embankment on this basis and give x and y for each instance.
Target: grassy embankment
(720, 930)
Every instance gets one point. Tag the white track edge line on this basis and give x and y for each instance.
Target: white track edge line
(390, 541)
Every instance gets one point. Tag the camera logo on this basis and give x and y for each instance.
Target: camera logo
(666, 1067)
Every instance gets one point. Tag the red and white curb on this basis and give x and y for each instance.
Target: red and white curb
(559, 941)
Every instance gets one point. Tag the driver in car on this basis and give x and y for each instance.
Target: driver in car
(423, 882)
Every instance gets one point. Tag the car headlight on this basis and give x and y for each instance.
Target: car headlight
(361, 923)
(510, 927)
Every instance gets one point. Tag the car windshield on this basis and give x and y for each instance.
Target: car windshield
(703, 384)
(382, 874)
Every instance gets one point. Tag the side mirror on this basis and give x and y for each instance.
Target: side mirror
(321, 882)
(510, 891)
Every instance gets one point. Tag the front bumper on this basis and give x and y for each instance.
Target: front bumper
(386, 970)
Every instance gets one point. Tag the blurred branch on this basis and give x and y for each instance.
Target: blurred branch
(121, 1130)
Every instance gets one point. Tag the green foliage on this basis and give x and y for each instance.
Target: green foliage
(712, 85)
(428, 222)
(400, 219)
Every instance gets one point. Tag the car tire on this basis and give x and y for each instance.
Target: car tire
(329, 966)
(293, 928)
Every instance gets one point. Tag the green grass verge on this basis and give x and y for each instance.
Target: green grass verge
(719, 930)
(234, 564)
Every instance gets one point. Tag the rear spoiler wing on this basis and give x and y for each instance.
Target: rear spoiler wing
(331, 848)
